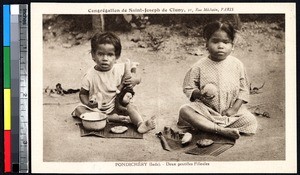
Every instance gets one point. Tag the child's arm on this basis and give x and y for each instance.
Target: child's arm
(84, 98)
(191, 85)
(234, 109)
(133, 81)
(243, 96)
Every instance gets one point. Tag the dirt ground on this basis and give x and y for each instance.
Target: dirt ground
(260, 46)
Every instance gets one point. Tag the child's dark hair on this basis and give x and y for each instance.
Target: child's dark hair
(122, 94)
(106, 38)
(211, 28)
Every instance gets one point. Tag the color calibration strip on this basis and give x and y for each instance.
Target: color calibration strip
(7, 95)
(23, 87)
(15, 60)
(7, 89)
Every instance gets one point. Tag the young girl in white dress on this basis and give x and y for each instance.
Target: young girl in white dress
(100, 84)
(217, 88)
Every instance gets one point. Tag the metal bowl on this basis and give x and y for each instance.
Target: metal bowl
(93, 120)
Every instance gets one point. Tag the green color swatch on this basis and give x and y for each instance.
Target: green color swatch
(6, 68)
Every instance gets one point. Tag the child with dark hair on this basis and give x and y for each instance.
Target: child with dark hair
(100, 84)
(217, 88)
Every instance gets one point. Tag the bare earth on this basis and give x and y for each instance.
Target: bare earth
(160, 94)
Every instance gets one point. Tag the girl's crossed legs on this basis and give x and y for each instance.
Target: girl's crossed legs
(196, 120)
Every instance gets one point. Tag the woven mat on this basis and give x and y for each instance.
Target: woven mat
(131, 133)
(220, 144)
(213, 150)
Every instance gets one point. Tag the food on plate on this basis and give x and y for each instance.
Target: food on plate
(204, 142)
(187, 138)
(119, 129)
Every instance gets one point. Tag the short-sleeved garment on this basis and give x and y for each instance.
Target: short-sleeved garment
(229, 76)
(102, 86)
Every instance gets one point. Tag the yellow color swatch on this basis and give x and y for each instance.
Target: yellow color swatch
(7, 109)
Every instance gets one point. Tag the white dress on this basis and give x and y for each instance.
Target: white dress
(102, 86)
(229, 76)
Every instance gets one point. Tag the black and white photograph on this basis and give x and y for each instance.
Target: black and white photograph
(163, 87)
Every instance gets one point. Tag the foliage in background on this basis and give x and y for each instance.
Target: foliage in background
(155, 31)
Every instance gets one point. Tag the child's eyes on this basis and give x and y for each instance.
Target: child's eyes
(223, 41)
(102, 54)
(227, 41)
(214, 41)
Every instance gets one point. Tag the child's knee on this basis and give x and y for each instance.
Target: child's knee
(250, 123)
(183, 117)
(183, 111)
(80, 110)
(251, 118)
(254, 123)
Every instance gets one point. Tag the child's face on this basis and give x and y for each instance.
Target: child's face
(105, 57)
(127, 97)
(219, 45)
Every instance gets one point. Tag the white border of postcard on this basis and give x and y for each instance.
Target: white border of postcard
(38, 166)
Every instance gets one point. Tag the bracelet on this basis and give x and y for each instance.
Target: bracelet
(217, 128)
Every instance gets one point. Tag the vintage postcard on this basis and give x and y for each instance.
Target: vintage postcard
(163, 88)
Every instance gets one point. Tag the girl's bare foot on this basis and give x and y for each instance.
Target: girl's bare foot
(230, 132)
(146, 126)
